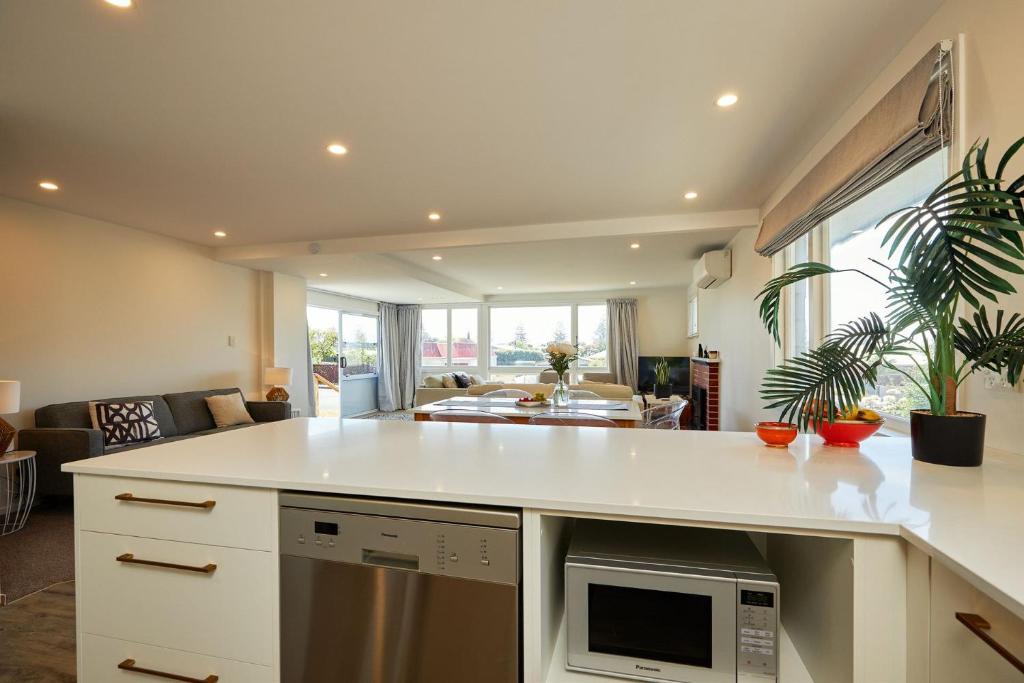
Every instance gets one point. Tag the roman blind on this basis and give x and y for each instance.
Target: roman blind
(910, 122)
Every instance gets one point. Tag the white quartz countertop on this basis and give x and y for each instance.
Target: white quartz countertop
(970, 518)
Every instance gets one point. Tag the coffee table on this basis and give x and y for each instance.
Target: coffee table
(17, 489)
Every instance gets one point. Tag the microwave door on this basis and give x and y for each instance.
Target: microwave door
(652, 626)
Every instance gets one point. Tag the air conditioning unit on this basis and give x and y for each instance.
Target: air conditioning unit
(713, 268)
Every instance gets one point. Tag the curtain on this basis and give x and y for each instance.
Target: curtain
(623, 353)
(399, 365)
(312, 387)
(913, 120)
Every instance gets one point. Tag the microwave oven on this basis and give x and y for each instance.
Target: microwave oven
(662, 603)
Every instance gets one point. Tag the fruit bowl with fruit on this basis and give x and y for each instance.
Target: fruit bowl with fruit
(538, 399)
(855, 426)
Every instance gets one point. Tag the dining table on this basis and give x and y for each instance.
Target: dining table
(625, 413)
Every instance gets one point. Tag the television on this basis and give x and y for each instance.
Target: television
(678, 373)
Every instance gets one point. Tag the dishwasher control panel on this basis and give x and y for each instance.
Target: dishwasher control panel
(464, 551)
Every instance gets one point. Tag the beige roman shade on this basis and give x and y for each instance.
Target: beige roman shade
(913, 120)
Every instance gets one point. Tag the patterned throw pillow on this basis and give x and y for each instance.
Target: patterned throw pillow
(124, 423)
(462, 380)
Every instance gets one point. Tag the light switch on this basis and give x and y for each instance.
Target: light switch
(231, 340)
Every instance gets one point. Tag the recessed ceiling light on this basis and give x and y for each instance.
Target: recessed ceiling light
(49, 185)
(635, 245)
(632, 282)
(727, 100)
(220, 233)
(435, 216)
(690, 195)
(337, 149)
(323, 274)
(437, 257)
(119, 3)
(500, 287)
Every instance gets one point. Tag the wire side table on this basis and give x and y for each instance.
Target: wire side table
(17, 489)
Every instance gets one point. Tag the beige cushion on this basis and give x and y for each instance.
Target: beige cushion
(432, 381)
(448, 382)
(476, 379)
(228, 410)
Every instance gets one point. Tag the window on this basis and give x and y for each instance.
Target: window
(465, 345)
(850, 239)
(435, 337)
(359, 344)
(519, 334)
(592, 335)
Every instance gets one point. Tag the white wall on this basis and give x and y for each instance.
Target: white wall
(282, 302)
(728, 323)
(994, 108)
(92, 310)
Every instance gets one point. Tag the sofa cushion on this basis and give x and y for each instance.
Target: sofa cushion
(191, 414)
(432, 381)
(124, 423)
(448, 381)
(75, 415)
(228, 410)
(462, 380)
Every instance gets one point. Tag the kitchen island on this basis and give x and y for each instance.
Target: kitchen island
(902, 525)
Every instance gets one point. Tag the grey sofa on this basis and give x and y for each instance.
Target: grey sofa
(64, 433)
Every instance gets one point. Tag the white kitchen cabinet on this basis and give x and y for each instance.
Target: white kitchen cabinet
(956, 655)
(109, 659)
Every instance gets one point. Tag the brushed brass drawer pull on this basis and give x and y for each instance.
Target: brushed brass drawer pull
(979, 626)
(129, 498)
(129, 665)
(128, 558)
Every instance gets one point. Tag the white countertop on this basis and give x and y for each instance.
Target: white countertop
(970, 518)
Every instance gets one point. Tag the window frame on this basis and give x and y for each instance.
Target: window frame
(341, 343)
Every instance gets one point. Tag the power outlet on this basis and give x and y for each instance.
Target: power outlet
(998, 382)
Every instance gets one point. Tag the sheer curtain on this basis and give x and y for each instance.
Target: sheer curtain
(623, 353)
(399, 365)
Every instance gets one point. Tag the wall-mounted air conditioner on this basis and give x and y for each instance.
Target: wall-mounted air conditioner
(713, 268)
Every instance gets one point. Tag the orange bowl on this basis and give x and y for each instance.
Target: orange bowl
(776, 434)
(847, 433)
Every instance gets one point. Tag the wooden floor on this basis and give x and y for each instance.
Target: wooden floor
(37, 637)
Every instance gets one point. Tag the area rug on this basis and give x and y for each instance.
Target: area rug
(41, 554)
(38, 637)
(398, 415)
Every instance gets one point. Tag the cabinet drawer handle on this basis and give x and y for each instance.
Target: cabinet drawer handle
(129, 498)
(129, 665)
(128, 558)
(979, 626)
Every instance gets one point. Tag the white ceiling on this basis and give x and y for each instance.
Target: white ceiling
(188, 116)
(473, 273)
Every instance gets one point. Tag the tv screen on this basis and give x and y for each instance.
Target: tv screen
(678, 373)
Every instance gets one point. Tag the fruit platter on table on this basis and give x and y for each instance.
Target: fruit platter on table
(538, 399)
(855, 426)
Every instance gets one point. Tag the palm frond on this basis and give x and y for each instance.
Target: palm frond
(964, 236)
(998, 348)
(771, 295)
(861, 337)
(817, 385)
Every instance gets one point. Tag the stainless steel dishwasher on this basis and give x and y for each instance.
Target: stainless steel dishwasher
(380, 591)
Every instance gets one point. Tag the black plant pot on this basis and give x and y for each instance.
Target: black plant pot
(662, 390)
(957, 440)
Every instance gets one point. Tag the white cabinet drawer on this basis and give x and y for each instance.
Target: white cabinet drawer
(228, 612)
(232, 516)
(101, 656)
(956, 654)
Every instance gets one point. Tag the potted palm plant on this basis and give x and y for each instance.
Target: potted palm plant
(662, 388)
(952, 253)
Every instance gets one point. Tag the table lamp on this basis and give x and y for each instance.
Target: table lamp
(10, 403)
(278, 378)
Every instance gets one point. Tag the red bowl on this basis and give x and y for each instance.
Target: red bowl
(776, 434)
(847, 433)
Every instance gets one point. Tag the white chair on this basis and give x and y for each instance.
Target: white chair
(477, 416)
(581, 394)
(508, 393)
(571, 420)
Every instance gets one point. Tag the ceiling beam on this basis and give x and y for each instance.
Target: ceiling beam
(427, 276)
(612, 227)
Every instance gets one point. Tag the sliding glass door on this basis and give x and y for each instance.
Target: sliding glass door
(344, 347)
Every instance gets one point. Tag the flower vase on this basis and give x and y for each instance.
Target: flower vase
(560, 397)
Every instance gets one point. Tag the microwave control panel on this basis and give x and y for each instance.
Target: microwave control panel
(757, 631)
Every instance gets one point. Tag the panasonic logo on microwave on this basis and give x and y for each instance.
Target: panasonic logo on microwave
(641, 667)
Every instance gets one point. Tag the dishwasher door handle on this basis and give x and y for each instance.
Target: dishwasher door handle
(383, 558)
